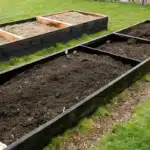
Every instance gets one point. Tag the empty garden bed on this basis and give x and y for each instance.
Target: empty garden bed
(39, 94)
(74, 17)
(141, 30)
(123, 46)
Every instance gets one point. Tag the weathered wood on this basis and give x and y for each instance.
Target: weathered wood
(9, 36)
(89, 13)
(55, 23)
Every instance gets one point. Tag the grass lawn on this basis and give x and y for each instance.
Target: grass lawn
(120, 15)
(134, 135)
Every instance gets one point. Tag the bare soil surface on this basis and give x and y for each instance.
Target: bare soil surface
(142, 31)
(131, 48)
(73, 17)
(39, 94)
(3, 41)
(29, 29)
(120, 112)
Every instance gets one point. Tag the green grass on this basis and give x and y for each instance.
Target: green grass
(147, 77)
(134, 135)
(84, 126)
(102, 111)
(120, 16)
(17, 9)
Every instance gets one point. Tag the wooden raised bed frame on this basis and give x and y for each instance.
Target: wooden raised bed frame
(65, 32)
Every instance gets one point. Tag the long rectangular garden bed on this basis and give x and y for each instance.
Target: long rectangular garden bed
(50, 87)
(62, 88)
(27, 36)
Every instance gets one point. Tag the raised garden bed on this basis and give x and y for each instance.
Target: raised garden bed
(123, 46)
(140, 30)
(41, 32)
(42, 90)
(50, 87)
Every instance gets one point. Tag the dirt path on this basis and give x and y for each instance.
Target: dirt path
(121, 112)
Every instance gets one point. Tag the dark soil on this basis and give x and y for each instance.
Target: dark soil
(73, 17)
(41, 93)
(130, 48)
(3, 41)
(142, 31)
(29, 29)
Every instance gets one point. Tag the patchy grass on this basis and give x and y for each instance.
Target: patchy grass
(105, 109)
(147, 77)
(120, 97)
(137, 84)
(16, 9)
(84, 126)
(134, 135)
(17, 61)
(102, 111)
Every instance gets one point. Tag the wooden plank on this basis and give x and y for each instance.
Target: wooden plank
(55, 23)
(89, 13)
(57, 13)
(9, 36)
(85, 13)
